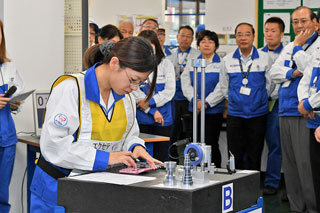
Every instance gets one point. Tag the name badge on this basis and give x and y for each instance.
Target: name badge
(286, 84)
(245, 90)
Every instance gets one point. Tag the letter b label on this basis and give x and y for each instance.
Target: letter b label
(227, 198)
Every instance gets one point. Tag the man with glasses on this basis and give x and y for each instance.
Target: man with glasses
(245, 82)
(309, 106)
(179, 58)
(288, 70)
(150, 24)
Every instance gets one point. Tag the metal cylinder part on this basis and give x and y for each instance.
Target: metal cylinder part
(170, 179)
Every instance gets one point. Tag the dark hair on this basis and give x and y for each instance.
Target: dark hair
(278, 21)
(186, 27)
(244, 23)
(303, 7)
(314, 16)
(211, 36)
(96, 31)
(150, 19)
(153, 38)
(109, 31)
(3, 51)
(134, 52)
(318, 14)
(95, 27)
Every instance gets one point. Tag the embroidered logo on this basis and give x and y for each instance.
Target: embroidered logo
(60, 120)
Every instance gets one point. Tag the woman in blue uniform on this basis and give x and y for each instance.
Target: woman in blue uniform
(208, 43)
(155, 116)
(90, 118)
(9, 76)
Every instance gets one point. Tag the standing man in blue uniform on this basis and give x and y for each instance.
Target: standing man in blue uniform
(179, 58)
(244, 80)
(273, 33)
(288, 70)
(309, 106)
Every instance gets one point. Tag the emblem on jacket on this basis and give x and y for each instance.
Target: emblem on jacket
(60, 120)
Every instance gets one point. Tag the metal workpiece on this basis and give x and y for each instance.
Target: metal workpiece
(170, 178)
(212, 168)
(231, 164)
(187, 178)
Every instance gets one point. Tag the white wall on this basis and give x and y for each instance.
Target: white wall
(223, 17)
(106, 12)
(34, 32)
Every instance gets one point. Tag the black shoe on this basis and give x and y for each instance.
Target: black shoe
(284, 197)
(269, 190)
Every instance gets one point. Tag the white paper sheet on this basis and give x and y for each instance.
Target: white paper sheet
(311, 3)
(194, 186)
(113, 178)
(281, 4)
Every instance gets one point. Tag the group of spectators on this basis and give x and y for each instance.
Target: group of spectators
(271, 93)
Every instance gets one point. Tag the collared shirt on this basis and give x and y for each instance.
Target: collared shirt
(245, 59)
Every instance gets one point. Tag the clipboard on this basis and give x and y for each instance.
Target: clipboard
(21, 96)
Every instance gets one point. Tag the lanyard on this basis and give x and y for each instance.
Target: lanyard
(313, 40)
(184, 58)
(245, 76)
(309, 45)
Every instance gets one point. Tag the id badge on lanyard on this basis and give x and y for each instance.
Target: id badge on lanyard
(182, 61)
(244, 90)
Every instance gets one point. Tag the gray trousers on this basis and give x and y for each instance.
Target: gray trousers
(296, 164)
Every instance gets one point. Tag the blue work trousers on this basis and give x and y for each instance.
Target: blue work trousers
(7, 155)
(44, 193)
(273, 172)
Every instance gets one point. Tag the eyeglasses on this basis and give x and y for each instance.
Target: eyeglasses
(161, 34)
(301, 21)
(149, 26)
(135, 84)
(185, 36)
